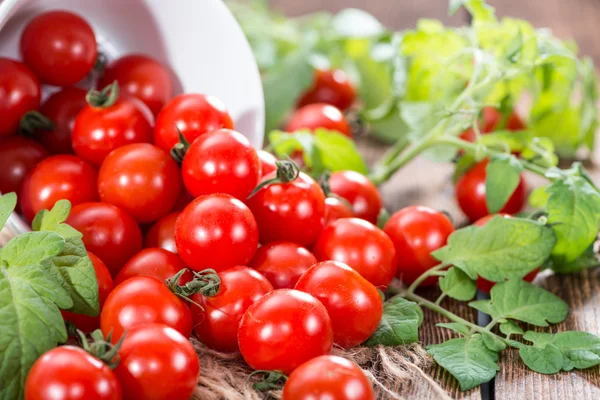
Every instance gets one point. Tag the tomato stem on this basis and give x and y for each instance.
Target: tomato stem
(287, 171)
(425, 275)
(101, 347)
(33, 122)
(272, 380)
(104, 98)
(178, 151)
(206, 282)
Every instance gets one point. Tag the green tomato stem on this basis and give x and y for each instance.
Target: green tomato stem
(425, 275)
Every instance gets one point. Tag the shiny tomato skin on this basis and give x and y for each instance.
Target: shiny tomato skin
(284, 329)
(330, 87)
(315, 116)
(216, 231)
(71, 373)
(143, 77)
(291, 212)
(143, 300)
(20, 93)
(59, 47)
(55, 178)
(108, 232)
(157, 363)
(328, 377)
(416, 231)
(221, 161)
(335, 209)
(360, 192)
(18, 156)
(194, 114)
(98, 131)
(282, 263)
(360, 245)
(141, 179)
(353, 303)
(217, 325)
(86, 323)
(162, 233)
(470, 194)
(267, 162)
(62, 109)
(156, 263)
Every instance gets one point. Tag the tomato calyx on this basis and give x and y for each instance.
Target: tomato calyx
(34, 121)
(101, 347)
(287, 171)
(104, 98)
(206, 283)
(100, 64)
(271, 380)
(178, 151)
(324, 183)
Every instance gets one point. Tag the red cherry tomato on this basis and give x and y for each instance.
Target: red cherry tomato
(70, 373)
(141, 179)
(330, 87)
(470, 194)
(142, 77)
(222, 161)
(291, 212)
(217, 323)
(61, 109)
(55, 178)
(143, 300)
(18, 156)
(20, 93)
(193, 115)
(162, 233)
(60, 47)
(360, 192)
(284, 329)
(416, 231)
(282, 263)
(100, 130)
(216, 231)
(86, 323)
(314, 116)
(353, 303)
(515, 123)
(328, 377)
(335, 209)
(362, 246)
(267, 162)
(156, 263)
(108, 232)
(157, 363)
(491, 120)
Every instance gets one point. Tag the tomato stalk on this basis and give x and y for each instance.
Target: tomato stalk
(34, 121)
(104, 98)
(430, 272)
(102, 348)
(206, 282)
(287, 171)
(178, 151)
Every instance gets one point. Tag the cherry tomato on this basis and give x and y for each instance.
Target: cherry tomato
(71, 373)
(282, 263)
(470, 194)
(353, 303)
(142, 300)
(162, 233)
(335, 209)
(515, 123)
(360, 192)
(60, 47)
(142, 77)
(362, 246)
(156, 263)
(100, 130)
(61, 109)
(314, 116)
(86, 323)
(491, 120)
(330, 87)
(20, 93)
(18, 156)
(328, 377)
(416, 231)
(183, 200)
(267, 162)
(141, 179)
(193, 115)
(217, 323)
(108, 232)
(55, 178)
(157, 363)
(222, 161)
(216, 231)
(292, 211)
(284, 329)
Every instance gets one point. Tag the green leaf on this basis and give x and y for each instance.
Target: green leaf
(503, 248)
(538, 197)
(502, 178)
(8, 202)
(354, 23)
(458, 285)
(54, 219)
(455, 326)
(480, 11)
(509, 328)
(523, 301)
(469, 360)
(493, 342)
(31, 248)
(399, 324)
(338, 152)
(589, 259)
(545, 360)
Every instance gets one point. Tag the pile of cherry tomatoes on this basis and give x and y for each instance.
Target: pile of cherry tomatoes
(167, 195)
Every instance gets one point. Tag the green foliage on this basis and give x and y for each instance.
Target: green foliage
(456, 284)
(502, 177)
(399, 324)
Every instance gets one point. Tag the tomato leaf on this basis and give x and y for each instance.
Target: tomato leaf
(502, 178)
(8, 202)
(458, 285)
(509, 328)
(589, 259)
(31, 248)
(399, 324)
(54, 220)
(455, 326)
